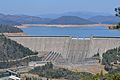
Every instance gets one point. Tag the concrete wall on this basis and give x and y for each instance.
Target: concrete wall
(101, 45)
(72, 49)
(45, 44)
(78, 49)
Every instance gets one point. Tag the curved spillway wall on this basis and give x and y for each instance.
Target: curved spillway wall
(72, 49)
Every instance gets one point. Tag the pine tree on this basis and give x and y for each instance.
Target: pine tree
(117, 10)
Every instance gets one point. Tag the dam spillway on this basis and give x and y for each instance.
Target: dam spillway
(74, 50)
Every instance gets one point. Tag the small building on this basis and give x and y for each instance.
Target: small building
(13, 78)
(10, 78)
(37, 63)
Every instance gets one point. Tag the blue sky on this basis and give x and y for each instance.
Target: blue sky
(36, 7)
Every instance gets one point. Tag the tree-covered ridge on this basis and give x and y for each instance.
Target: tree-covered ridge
(11, 50)
(73, 20)
(115, 27)
(22, 19)
(108, 76)
(49, 72)
(9, 29)
(111, 60)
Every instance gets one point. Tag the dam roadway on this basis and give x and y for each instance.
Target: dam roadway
(72, 49)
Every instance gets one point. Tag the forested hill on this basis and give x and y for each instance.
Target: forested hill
(22, 19)
(11, 50)
(71, 20)
(25, 19)
(9, 29)
(105, 19)
(111, 60)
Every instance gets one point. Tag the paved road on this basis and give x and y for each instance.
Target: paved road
(19, 59)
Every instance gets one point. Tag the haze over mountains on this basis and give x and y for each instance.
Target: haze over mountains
(71, 20)
(105, 19)
(65, 18)
(22, 19)
(83, 14)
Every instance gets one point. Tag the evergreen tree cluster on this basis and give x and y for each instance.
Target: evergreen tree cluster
(11, 50)
(49, 72)
(117, 10)
(115, 27)
(111, 60)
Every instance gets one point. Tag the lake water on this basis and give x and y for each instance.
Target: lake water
(70, 31)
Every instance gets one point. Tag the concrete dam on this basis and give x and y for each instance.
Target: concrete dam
(73, 50)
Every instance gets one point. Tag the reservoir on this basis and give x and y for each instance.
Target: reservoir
(85, 31)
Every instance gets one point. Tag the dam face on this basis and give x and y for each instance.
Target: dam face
(44, 44)
(74, 50)
(78, 49)
(102, 44)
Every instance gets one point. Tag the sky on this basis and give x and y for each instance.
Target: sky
(36, 7)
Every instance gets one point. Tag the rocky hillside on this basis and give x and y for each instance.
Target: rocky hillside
(11, 50)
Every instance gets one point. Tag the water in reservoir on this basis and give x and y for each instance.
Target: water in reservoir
(87, 31)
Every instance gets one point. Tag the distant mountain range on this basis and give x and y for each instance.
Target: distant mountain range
(68, 18)
(105, 19)
(71, 20)
(22, 19)
(25, 19)
(82, 14)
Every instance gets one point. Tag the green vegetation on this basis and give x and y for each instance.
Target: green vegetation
(117, 10)
(115, 27)
(9, 29)
(111, 60)
(115, 76)
(11, 50)
(32, 78)
(50, 72)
